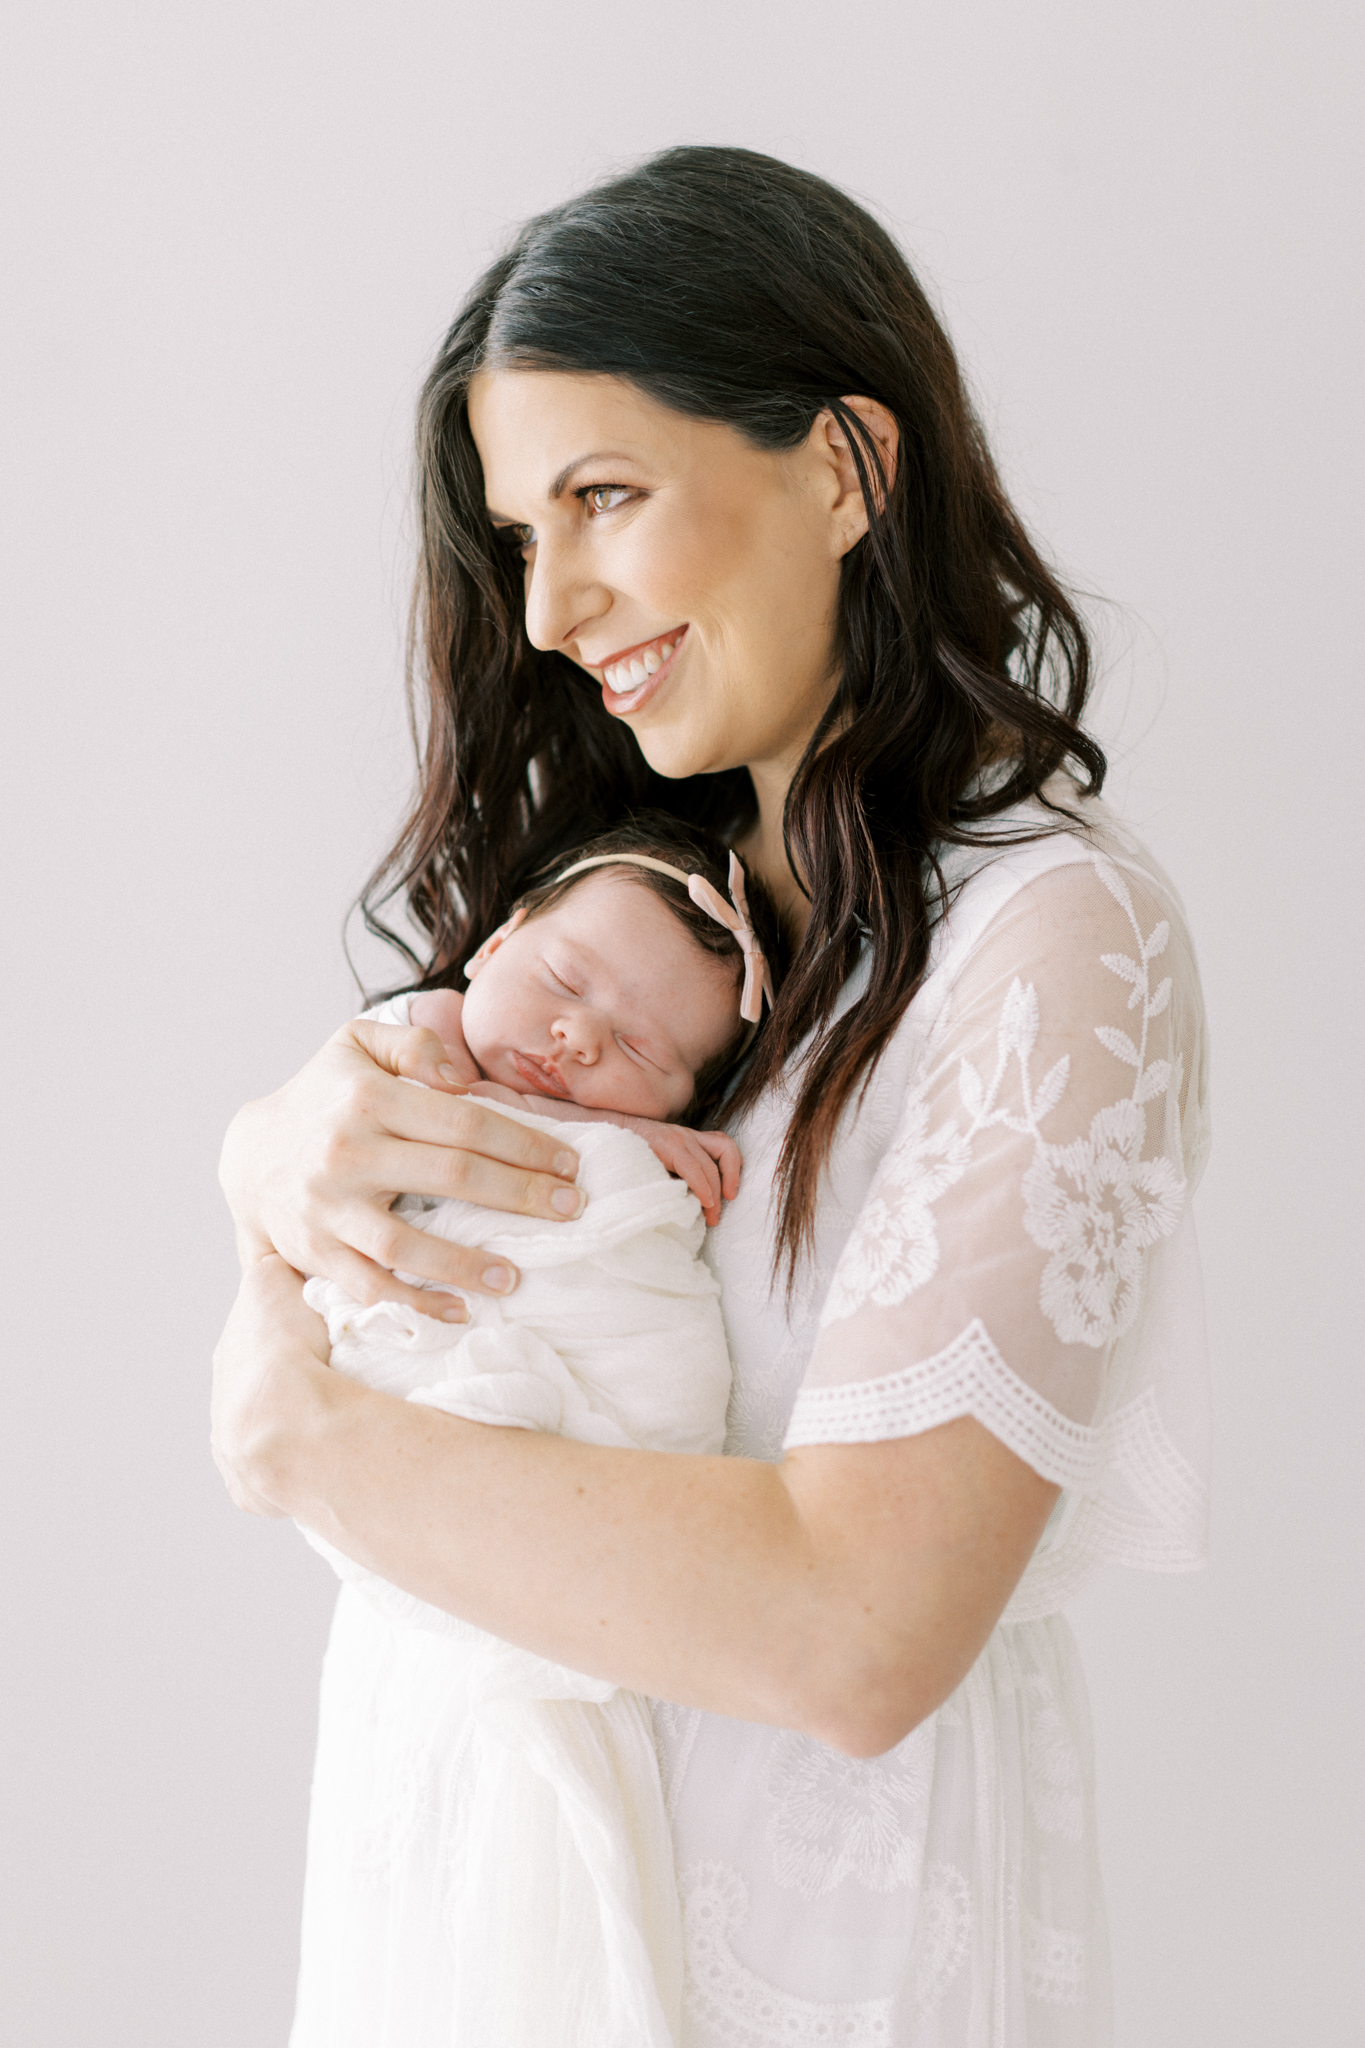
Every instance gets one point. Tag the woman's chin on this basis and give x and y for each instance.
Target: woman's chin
(677, 751)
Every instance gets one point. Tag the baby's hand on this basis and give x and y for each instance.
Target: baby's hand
(708, 1161)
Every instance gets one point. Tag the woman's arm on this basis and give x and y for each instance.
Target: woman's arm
(845, 1592)
(311, 1171)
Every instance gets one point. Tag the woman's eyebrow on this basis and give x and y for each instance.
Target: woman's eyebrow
(556, 489)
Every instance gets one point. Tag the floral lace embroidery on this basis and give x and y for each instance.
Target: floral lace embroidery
(726, 1997)
(943, 1929)
(1054, 1962)
(1096, 1205)
(895, 1249)
(1055, 1780)
(837, 1817)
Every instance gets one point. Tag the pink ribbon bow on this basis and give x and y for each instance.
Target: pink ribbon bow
(758, 982)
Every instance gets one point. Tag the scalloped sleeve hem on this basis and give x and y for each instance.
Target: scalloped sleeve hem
(968, 1377)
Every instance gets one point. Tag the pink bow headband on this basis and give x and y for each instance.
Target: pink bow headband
(733, 915)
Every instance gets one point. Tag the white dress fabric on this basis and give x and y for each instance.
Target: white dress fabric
(1004, 1232)
(489, 1858)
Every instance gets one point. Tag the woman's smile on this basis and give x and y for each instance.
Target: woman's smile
(632, 678)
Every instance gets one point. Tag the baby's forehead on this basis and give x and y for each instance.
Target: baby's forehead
(610, 916)
(613, 910)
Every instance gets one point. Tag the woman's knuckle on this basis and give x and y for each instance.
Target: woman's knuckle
(335, 1155)
(388, 1244)
(362, 1097)
(417, 1048)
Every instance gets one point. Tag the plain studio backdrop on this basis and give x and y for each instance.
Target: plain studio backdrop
(235, 236)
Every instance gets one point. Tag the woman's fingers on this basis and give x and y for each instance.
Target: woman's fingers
(367, 1282)
(442, 1117)
(389, 1246)
(313, 1170)
(466, 1175)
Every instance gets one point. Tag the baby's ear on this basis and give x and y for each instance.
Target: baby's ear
(492, 942)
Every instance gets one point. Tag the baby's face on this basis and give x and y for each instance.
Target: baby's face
(604, 1001)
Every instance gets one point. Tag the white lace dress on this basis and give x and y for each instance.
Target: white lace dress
(1004, 1231)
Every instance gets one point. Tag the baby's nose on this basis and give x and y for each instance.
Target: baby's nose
(579, 1033)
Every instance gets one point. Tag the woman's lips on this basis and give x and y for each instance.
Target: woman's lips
(621, 703)
(539, 1074)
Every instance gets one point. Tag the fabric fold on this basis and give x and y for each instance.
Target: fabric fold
(555, 1861)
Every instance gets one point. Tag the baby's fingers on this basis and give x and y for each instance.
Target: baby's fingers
(692, 1165)
(725, 1152)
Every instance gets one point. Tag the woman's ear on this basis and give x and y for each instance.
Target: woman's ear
(849, 511)
(492, 942)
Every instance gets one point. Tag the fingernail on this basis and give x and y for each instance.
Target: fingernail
(568, 1201)
(454, 1314)
(497, 1278)
(566, 1165)
(447, 1073)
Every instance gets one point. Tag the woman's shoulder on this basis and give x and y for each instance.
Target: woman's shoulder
(1062, 856)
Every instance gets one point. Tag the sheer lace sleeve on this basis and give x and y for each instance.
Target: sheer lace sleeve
(1025, 1254)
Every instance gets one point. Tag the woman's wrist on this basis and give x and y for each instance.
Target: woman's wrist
(290, 1444)
(277, 1405)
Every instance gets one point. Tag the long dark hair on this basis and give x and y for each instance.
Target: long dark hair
(735, 288)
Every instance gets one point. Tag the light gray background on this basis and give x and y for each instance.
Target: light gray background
(236, 234)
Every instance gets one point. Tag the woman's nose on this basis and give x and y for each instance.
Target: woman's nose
(560, 600)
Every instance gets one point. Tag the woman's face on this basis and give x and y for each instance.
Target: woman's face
(694, 576)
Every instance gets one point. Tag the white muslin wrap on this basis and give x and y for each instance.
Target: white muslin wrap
(490, 1861)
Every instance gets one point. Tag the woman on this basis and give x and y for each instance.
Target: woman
(709, 525)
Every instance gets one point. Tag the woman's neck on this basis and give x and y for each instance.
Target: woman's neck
(761, 846)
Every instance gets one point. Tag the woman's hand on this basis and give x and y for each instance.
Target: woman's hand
(267, 1360)
(310, 1172)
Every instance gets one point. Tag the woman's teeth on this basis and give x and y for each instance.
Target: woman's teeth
(629, 674)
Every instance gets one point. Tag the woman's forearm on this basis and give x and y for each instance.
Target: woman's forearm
(844, 1592)
(689, 1578)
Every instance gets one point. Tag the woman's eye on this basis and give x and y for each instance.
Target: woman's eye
(605, 497)
(516, 537)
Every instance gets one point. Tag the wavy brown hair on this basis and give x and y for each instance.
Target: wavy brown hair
(737, 289)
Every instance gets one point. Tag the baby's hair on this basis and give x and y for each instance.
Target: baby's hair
(694, 851)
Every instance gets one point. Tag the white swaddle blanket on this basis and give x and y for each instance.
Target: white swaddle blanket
(557, 1893)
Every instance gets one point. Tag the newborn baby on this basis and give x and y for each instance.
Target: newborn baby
(597, 1002)
(618, 997)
